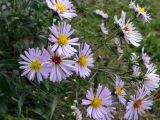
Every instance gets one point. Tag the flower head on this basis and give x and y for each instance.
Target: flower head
(34, 63)
(130, 33)
(77, 113)
(104, 29)
(61, 67)
(120, 90)
(60, 37)
(146, 58)
(118, 44)
(151, 79)
(101, 13)
(136, 70)
(99, 104)
(84, 60)
(138, 104)
(64, 8)
(134, 58)
(140, 11)
(135, 67)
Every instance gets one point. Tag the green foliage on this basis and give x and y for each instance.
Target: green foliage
(24, 24)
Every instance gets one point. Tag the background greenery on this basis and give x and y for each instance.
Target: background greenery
(24, 24)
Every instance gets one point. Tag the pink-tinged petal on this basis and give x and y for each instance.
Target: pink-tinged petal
(50, 4)
(26, 59)
(105, 93)
(31, 75)
(59, 77)
(45, 56)
(95, 114)
(89, 111)
(23, 67)
(90, 94)
(24, 63)
(32, 52)
(99, 112)
(73, 40)
(99, 90)
(39, 77)
(52, 39)
(86, 102)
(135, 115)
(28, 56)
(25, 72)
(54, 47)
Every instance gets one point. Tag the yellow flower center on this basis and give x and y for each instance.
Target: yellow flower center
(36, 65)
(83, 60)
(141, 10)
(96, 102)
(119, 90)
(60, 7)
(63, 39)
(137, 103)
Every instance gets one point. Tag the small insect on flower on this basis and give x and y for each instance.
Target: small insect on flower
(138, 104)
(34, 63)
(84, 60)
(99, 104)
(101, 13)
(61, 67)
(130, 33)
(120, 92)
(146, 58)
(151, 79)
(60, 37)
(64, 8)
(140, 11)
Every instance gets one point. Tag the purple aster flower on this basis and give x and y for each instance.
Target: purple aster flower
(138, 104)
(99, 105)
(151, 79)
(64, 8)
(61, 39)
(140, 11)
(34, 63)
(61, 66)
(120, 90)
(84, 60)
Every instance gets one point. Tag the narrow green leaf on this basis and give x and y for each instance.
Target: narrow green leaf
(53, 107)
(9, 63)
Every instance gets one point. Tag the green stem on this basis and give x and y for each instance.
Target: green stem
(106, 40)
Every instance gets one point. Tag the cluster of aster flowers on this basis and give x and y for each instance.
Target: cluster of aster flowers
(101, 105)
(150, 78)
(60, 59)
(65, 55)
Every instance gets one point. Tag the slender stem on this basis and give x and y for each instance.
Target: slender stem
(108, 38)
(135, 16)
(95, 83)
